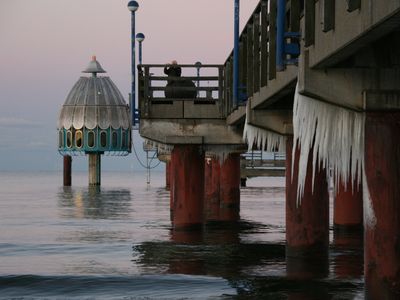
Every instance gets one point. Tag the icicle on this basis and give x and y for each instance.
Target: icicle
(338, 138)
(263, 139)
(161, 148)
(369, 214)
(221, 152)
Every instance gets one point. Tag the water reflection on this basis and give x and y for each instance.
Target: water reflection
(94, 203)
(348, 255)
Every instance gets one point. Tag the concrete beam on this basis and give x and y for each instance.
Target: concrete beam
(353, 30)
(175, 131)
(279, 121)
(238, 116)
(344, 86)
(381, 100)
(282, 85)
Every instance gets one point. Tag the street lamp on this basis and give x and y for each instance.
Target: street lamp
(236, 54)
(140, 38)
(133, 6)
(198, 66)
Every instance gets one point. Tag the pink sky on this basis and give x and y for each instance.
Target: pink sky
(46, 43)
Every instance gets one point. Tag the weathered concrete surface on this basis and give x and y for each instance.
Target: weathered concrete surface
(278, 121)
(190, 131)
(352, 31)
(347, 87)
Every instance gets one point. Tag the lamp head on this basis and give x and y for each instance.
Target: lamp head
(133, 6)
(140, 37)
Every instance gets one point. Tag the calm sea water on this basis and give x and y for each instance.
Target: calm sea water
(116, 242)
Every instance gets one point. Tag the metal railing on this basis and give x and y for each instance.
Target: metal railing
(157, 88)
(257, 49)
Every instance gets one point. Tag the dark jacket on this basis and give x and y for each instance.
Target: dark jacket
(173, 71)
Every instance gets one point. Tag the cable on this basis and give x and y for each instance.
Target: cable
(141, 163)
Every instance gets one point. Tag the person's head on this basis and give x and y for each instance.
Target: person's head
(174, 62)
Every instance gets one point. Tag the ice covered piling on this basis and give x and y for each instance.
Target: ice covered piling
(336, 136)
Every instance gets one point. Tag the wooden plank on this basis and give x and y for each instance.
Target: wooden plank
(309, 32)
(353, 5)
(272, 40)
(256, 53)
(328, 15)
(264, 43)
(249, 59)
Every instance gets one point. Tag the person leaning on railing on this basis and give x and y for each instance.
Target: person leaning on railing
(172, 70)
(182, 89)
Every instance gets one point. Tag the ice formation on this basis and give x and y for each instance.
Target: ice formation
(336, 136)
(221, 152)
(264, 140)
(369, 215)
(160, 147)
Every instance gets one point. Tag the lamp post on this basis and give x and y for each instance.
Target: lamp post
(198, 66)
(140, 38)
(236, 54)
(133, 7)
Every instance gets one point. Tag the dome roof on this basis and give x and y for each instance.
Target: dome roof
(94, 102)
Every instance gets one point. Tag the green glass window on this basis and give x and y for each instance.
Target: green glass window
(115, 139)
(61, 138)
(78, 139)
(91, 139)
(103, 139)
(123, 138)
(69, 139)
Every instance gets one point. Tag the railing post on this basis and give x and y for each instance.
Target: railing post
(221, 92)
(264, 43)
(147, 93)
(250, 60)
(353, 5)
(272, 40)
(309, 13)
(280, 36)
(329, 15)
(256, 52)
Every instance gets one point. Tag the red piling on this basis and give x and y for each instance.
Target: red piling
(187, 185)
(382, 238)
(230, 188)
(307, 225)
(348, 207)
(212, 172)
(67, 177)
(168, 175)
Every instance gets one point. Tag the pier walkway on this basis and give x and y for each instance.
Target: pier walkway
(321, 77)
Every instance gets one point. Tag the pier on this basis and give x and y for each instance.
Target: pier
(317, 79)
